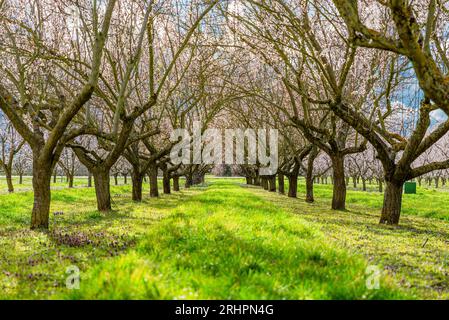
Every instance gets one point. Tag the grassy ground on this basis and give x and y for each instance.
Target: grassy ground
(427, 202)
(60, 183)
(415, 254)
(224, 241)
(220, 241)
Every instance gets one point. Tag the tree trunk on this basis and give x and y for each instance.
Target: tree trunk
(71, 178)
(9, 180)
(20, 178)
(381, 186)
(363, 184)
(272, 184)
(339, 192)
(41, 186)
(188, 183)
(281, 183)
(257, 180)
(176, 183)
(54, 176)
(309, 181)
(89, 179)
(437, 182)
(166, 182)
(354, 182)
(264, 182)
(102, 189)
(154, 191)
(309, 187)
(137, 180)
(293, 185)
(391, 209)
(248, 180)
(116, 179)
(197, 178)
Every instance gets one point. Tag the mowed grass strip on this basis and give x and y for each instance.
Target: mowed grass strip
(227, 243)
(33, 265)
(415, 254)
(428, 202)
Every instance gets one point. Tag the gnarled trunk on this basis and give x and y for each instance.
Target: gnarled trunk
(293, 185)
(71, 178)
(176, 183)
(9, 180)
(257, 179)
(363, 184)
(102, 189)
(281, 183)
(309, 187)
(166, 182)
(309, 181)
(41, 186)
(89, 179)
(152, 172)
(137, 180)
(272, 184)
(189, 182)
(264, 182)
(391, 209)
(198, 178)
(339, 192)
(249, 180)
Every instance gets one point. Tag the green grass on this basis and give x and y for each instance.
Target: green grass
(224, 241)
(218, 241)
(61, 183)
(415, 254)
(427, 202)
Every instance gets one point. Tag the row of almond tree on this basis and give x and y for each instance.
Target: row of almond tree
(348, 84)
(362, 171)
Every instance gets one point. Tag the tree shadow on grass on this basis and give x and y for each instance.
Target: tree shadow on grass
(412, 252)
